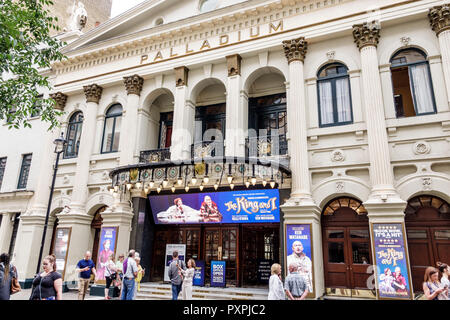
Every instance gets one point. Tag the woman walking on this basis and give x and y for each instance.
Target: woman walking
(188, 275)
(445, 271)
(432, 288)
(48, 284)
(276, 290)
(7, 273)
(110, 274)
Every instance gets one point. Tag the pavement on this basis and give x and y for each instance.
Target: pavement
(70, 295)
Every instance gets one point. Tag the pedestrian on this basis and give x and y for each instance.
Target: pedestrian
(110, 274)
(295, 284)
(188, 277)
(119, 270)
(140, 274)
(48, 284)
(85, 267)
(432, 288)
(175, 274)
(445, 271)
(7, 273)
(129, 274)
(276, 290)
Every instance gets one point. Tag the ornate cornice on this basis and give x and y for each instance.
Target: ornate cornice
(234, 65)
(366, 34)
(60, 100)
(440, 18)
(295, 49)
(181, 76)
(93, 93)
(134, 84)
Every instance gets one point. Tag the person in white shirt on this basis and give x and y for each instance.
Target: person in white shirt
(276, 290)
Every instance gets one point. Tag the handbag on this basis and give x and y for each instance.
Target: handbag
(15, 285)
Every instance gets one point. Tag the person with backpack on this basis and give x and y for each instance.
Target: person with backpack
(7, 274)
(175, 275)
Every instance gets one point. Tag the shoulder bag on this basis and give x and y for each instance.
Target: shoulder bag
(15, 285)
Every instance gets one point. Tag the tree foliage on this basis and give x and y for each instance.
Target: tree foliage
(26, 49)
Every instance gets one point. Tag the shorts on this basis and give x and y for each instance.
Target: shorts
(109, 280)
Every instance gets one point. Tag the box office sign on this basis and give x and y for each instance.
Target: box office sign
(218, 273)
(61, 246)
(391, 261)
(299, 251)
(245, 206)
(170, 248)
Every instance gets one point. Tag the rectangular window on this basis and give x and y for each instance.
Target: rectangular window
(12, 243)
(2, 169)
(24, 171)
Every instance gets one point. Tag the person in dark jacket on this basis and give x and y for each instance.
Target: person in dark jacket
(175, 275)
(7, 273)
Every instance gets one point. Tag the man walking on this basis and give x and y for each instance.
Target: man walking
(295, 284)
(175, 274)
(129, 273)
(85, 267)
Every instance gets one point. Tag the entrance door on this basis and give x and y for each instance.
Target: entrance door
(428, 231)
(346, 244)
(221, 243)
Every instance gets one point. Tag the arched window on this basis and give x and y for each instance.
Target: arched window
(411, 80)
(74, 135)
(335, 103)
(111, 131)
(208, 5)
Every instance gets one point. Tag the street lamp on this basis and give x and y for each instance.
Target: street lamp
(60, 144)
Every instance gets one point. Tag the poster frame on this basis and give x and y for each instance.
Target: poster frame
(99, 248)
(165, 258)
(68, 246)
(310, 294)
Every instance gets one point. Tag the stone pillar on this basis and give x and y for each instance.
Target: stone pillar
(6, 228)
(128, 140)
(235, 111)
(440, 23)
(80, 187)
(295, 51)
(183, 118)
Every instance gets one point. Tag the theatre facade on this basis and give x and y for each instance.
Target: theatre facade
(253, 132)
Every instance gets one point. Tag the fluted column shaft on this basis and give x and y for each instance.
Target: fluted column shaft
(444, 44)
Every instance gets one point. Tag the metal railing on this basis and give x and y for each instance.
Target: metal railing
(266, 146)
(156, 155)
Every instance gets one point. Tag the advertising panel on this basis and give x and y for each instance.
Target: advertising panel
(107, 246)
(245, 206)
(299, 251)
(391, 261)
(170, 248)
(61, 247)
(199, 275)
(217, 273)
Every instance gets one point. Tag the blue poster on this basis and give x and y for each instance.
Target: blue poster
(298, 251)
(199, 274)
(245, 206)
(106, 247)
(392, 266)
(217, 273)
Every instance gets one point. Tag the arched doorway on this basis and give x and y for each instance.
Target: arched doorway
(346, 244)
(427, 221)
(96, 225)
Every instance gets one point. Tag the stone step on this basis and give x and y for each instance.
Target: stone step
(237, 291)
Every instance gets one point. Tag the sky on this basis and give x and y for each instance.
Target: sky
(120, 6)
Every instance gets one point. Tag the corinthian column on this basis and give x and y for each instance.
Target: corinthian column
(295, 51)
(80, 187)
(440, 23)
(127, 144)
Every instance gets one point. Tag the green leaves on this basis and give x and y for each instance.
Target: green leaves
(25, 48)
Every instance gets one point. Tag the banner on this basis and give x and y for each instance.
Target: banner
(61, 247)
(199, 275)
(298, 251)
(245, 206)
(391, 261)
(170, 248)
(107, 247)
(217, 273)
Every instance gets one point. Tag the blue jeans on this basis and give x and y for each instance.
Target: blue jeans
(176, 288)
(128, 289)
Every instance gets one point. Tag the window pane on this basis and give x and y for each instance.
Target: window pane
(107, 138)
(442, 235)
(421, 85)
(2, 169)
(24, 171)
(407, 56)
(115, 110)
(359, 234)
(402, 92)
(115, 146)
(336, 252)
(343, 100)
(335, 234)
(325, 102)
(417, 234)
(360, 252)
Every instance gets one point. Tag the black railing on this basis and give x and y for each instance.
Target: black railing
(266, 146)
(206, 149)
(156, 155)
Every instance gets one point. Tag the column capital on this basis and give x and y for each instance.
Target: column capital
(440, 18)
(234, 65)
(60, 100)
(181, 76)
(366, 34)
(295, 49)
(93, 93)
(134, 84)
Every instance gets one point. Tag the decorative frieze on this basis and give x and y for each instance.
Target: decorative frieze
(60, 100)
(181, 76)
(93, 93)
(234, 65)
(440, 18)
(295, 49)
(366, 34)
(134, 84)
